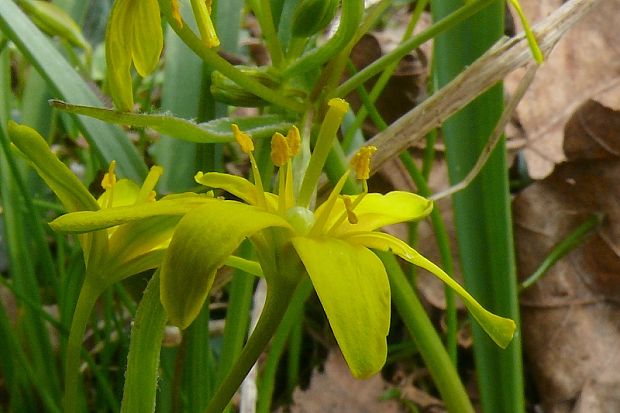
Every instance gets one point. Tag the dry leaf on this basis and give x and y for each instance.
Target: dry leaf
(336, 391)
(570, 317)
(585, 64)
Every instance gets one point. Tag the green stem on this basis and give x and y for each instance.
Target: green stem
(212, 58)
(443, 243)
(380, 64)
(144, 348)
(292, 319)
(573, 240)
(269, 32)
(428, 342)
(384, 78)
(86, 301)
(277, 301)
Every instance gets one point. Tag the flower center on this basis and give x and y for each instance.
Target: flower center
(301, 219)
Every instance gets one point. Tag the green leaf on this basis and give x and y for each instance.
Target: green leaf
(500, 329)
(353, 287)
(67, 187)
(109, 142)
(215, 131)
(202, 242)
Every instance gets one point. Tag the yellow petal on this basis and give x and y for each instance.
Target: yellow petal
(500, 329)
(377, 210)
(118, 41)
(202, 242)
(354, 290)
(88, 221)
(148, 38)
(234, 185)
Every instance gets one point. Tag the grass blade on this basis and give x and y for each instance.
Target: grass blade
(483, 220)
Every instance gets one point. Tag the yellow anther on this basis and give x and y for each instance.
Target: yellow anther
(109, 179)
(279, 150)
(176, 12)
(360, 163)
(243, 139)
(351, 217)
(294, 140)
(339, 104)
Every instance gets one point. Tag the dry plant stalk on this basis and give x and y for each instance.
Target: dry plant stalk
(505, 56)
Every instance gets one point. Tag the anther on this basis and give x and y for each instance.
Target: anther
(243, 139)
(360, 163)
(280, 151)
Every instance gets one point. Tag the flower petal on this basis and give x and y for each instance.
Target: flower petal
(202, 242)
(353, 288)
(118, 41)
(500, 329)
(377, 210)
(67, 187)
(148, 38)
(125, 192)
(234, 185)
(137, 238)
(87, 221)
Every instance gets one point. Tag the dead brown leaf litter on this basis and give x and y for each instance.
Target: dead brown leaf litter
(584, 65)
(570, 317)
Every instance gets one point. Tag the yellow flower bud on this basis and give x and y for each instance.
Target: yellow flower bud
(360, 163)
(280, 151)
(243, 139)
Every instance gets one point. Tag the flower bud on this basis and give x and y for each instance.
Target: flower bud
(312, 16)
(227, 91)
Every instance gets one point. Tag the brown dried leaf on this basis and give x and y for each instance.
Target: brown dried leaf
(585, 64)
(405, 89)
(570, 317)
(336, 391)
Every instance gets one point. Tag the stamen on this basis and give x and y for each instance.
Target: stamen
(243, 139)
(328, 206)
(147, 191)
(279, 150)
(247, 146)
(108, 182)
(109, 179)
(293, 138)
(360, 163)
(348, 205)
(202, 13)
(176, 12)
